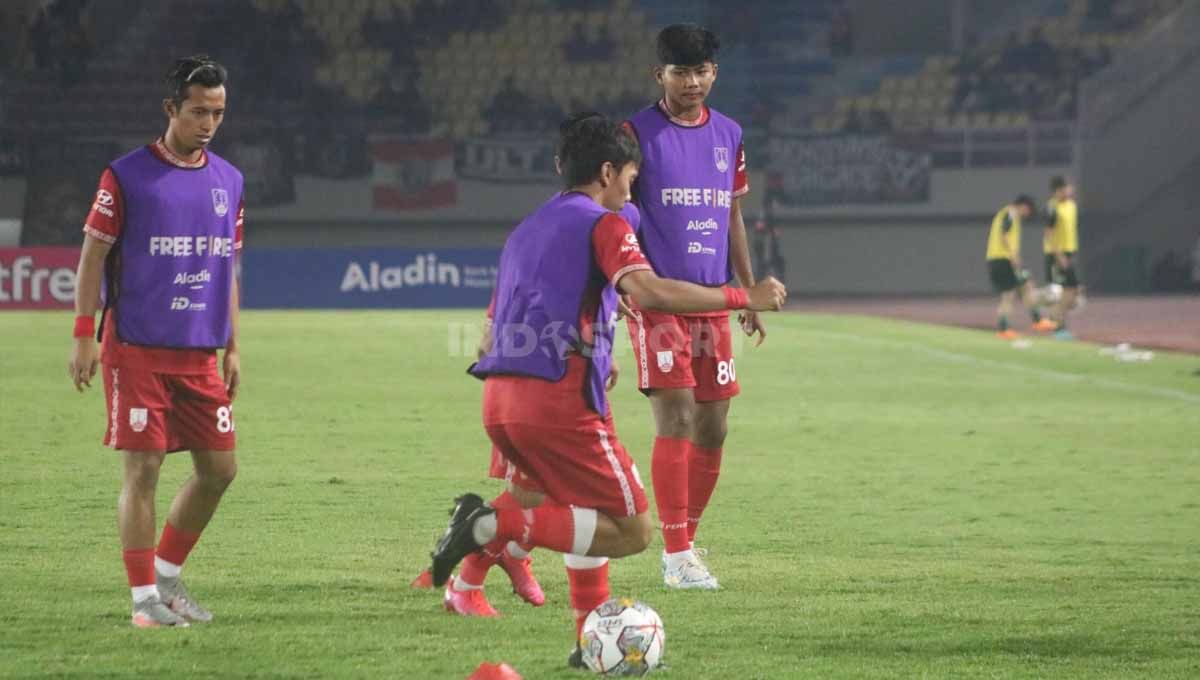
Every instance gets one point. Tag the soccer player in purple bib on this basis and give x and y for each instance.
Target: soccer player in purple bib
(688, 191)
(162, 236)
(545, 375)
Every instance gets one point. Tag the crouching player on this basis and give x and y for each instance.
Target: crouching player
(544, 403)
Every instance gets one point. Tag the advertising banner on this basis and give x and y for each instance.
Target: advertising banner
(814, 170)
(38, 278)
(368, 278)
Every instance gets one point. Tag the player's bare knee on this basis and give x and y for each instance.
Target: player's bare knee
(141, 470)
(710, 435)
(676, 420)
(218, 472)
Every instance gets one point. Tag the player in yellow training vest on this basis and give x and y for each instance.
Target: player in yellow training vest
(1061, 245)
(1004, 264)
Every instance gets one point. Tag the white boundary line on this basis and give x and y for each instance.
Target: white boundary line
(1061, 376)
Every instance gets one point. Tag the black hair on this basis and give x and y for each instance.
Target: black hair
(589, 140)
(197, 69)
(687, 45)
(1057, 182)
(1027, 201)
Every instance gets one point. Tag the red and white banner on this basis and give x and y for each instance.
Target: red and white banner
(412, 175)
(37, 278)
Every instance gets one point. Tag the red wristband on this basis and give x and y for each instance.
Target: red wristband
(736, 298)
(85, 326)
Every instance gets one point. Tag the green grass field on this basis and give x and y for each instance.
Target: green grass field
(898, 501)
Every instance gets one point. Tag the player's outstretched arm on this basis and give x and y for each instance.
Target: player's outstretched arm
(651, 292)
(85, 356)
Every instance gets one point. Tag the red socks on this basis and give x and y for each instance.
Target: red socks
(139, 566)
(669, 474)
(704, 466)
(475, 566)
(176, 544)
(588, 586)
(557, 527)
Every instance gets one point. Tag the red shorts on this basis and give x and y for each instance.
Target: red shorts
(673, 351)
(150, 411)
(501, 468)
(587, 468)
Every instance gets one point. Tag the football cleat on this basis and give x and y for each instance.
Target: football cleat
(1063, 334)
(467, 602)
(1045, 326)
(520, 572)
(423, 581)
(1009, 334)
(688, 574)
(459, 539)
(575, 659)
(175, 596)
(152, 613)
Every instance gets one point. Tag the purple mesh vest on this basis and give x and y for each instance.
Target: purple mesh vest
(176, 251)
(684, 191)
(547, 269)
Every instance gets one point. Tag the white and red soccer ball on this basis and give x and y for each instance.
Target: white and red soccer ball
(622, 637)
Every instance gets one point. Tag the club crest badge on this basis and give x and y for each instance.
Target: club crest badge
(721, 157)
(666, 361)
(220, 202)
(138, 418)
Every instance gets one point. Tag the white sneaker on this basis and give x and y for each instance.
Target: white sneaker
(686, 572)
(152, 613)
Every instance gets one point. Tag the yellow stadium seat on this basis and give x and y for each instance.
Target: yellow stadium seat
(982, 119)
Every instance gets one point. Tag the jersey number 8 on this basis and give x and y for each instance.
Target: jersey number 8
(726, 372)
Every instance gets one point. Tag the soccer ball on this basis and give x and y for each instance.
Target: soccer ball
(622, 637)
(1049, 294)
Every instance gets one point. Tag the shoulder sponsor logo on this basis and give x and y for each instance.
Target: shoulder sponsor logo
(138, 418)
(631, 244)
(104, 201)
(220, 202)
(721, 157)
(666, 361)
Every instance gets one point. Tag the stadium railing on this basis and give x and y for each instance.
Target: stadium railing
(1037, 144)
